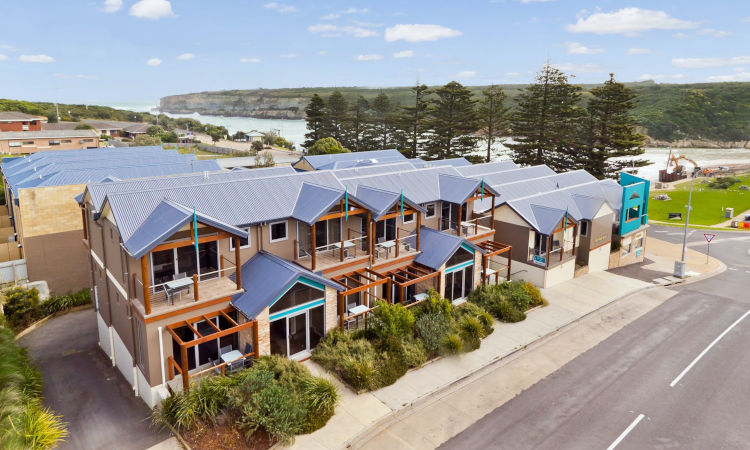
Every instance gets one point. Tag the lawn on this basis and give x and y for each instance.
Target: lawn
(708, 204)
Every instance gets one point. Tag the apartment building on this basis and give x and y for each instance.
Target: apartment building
(26, 142)
(40, 191)
(18, 121)
(195, 274)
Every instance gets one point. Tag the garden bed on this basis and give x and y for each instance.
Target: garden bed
(269, 403)
(398, 339)
(22, 307)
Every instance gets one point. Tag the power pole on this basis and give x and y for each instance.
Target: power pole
(681, 266)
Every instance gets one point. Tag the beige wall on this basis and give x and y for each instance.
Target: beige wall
(42, 144)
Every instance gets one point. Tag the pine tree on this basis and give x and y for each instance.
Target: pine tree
(336, 113)
(315, 118)
(546, 121)
(452, 122)
(412, 122)
(493, 116)
(381, 122)
(357, 125)
(611, 130)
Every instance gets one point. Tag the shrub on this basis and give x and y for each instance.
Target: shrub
(286, 371)
(359, 371)
(506, 312)
(435, 304)
(389, 368)
(322, 397)
(413, 352)
(724, 182)
(275, 409)
(520, 299)
(471, 331)
(39, 427)
(452, 344)
(391, 320)
(65, 302)
(432, 329)
(534, 293)
(21, 306)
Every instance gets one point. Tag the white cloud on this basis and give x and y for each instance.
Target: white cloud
(576, 48)
(403, 54)
(638, 51)
(736, 76)
(322, 52)
(152, 9)
(3, 57)
(713, 32)
(153, 62)
(186, 56)
(331, 30)
(249, 60)
(579, 68)
(331, 16)
(536, 1)
(679, 35)
(281, 7)
(746, 19)
(369, 57)
(670, 76)
(67, 76)
(466, 74)
(628, 21)
(512, 74)
(111, 6)
(703, 63)
(36, 58)
(288, 55)
(419, 33)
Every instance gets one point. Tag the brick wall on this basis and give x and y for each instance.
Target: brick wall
(264, 333)
(331, 308)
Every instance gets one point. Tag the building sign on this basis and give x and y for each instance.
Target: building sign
(600, 239)
(540, 260)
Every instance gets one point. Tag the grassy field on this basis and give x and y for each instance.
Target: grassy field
(707, 202)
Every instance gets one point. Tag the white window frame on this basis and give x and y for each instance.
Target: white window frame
(286, 231)
(434, 210)
(249, 241)
(14, 144)
(409, 221)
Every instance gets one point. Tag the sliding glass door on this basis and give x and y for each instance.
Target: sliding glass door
(296, 334)
(181, 262)
(459, 283)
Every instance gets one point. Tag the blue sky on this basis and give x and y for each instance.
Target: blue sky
(111, 51)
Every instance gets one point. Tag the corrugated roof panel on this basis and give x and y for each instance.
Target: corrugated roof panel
(375, 156)
(486, 168)
(314, 201)
(372, 170)
(437, 247)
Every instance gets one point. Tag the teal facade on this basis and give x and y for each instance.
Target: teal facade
(634, 210)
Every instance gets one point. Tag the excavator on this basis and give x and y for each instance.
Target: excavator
(678, 172)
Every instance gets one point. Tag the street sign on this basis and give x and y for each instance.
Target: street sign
(709, 237)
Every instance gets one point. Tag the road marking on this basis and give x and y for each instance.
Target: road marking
(625, 433)
(732, 268)
(690, 366)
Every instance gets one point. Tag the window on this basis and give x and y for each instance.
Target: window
(87, 140)
(66, 141)
(461, 256)
(28, 142)
(584, 228)
(408, 218)
(14, 144)
(540, 243)
(299, 294)
(244, 243)
(638, 241)
(278, 231)
(431, 210)
(54, 142)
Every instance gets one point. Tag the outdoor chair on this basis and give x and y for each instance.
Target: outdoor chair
(380, 240)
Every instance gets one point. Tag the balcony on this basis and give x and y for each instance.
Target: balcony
(395, 248)
(556, 256)
(183, 292)
(330, 256)
(470, 229)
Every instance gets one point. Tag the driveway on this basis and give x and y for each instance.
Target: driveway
(81, 384)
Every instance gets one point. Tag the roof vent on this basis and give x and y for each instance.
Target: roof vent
(373, 160)
(205, 174)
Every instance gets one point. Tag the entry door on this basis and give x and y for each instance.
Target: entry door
(298, 333)
(458, 284)
(449, 216)
(386, 229)
(297, 326)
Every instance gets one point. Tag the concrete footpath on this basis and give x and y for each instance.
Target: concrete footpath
(410, 412)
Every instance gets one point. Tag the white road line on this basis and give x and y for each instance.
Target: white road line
(625, 433)
(723, 333)
(732, 268)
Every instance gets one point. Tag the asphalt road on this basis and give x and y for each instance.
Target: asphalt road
(80, 383)
(645, 386)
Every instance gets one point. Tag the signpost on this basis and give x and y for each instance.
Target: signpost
(709, 237)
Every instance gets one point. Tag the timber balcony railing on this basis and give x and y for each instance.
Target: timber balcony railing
(556, 256)
(186, 290)
(405, 244)
(332, 255)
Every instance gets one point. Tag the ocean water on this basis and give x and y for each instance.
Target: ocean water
(294, 131)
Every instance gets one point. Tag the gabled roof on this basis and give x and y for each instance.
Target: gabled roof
(380, 201)
(15, 116)
(314, 201)
(452, 162)
(334, 161)
(456, 189)
(376, 169)
(486, 168)
(164, 221)
(266, 277)
(437, 247)
(52, 134)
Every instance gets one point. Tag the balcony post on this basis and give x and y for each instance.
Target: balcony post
(255, 340)
(184, 365)
(492, 213)
(146, 290)
(549, 245)
(458, 228)
(372, 242)
(419, 226)
(312, 246)
(575, 232)
(369, 236)
(237, 260)
(342, 310)
(510, 258)
(398, 241)
(195, 286)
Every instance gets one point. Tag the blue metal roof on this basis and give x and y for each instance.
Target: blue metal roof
(164, 221)
(319, 162)
(437, 247)
(314, 201)
(452, 162)
(373, 170)
(457, 189)
(265, 278)
(380, 201)
(486, 168)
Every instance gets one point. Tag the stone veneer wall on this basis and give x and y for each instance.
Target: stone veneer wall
(264, 333)
(331, 308)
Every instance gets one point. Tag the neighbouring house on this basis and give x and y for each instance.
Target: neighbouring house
(44, 216)
(631, 209)
(254, 136)
(25, 142)
(105, 128)
(133, 130)
(346, 160)
(197, 274)
(18, 121)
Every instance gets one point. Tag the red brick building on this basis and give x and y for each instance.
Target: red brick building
(18, 121)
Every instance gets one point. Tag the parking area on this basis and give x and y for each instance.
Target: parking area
(81, 384)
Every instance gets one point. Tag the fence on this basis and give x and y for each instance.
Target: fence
(9, 251)
(13, 271)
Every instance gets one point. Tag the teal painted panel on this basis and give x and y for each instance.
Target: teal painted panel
(459, 266)
(296, 309)
(467, 247)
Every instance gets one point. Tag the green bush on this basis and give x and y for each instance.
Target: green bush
(534, 293)
(507, 301)
(724, 182)
(390, 320)
(65, 302)
(275, 409)
(434, 303)
(452, 343)
(471, 331)
(359, 371)
(21, 307)
(413, 352)
(322, 397)
(506, 312)
(432, 329)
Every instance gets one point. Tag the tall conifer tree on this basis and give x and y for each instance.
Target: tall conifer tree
(336, 113)
(452, 122)
(412, 122)
(493, 116)
(382, 122)
(315, 118)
